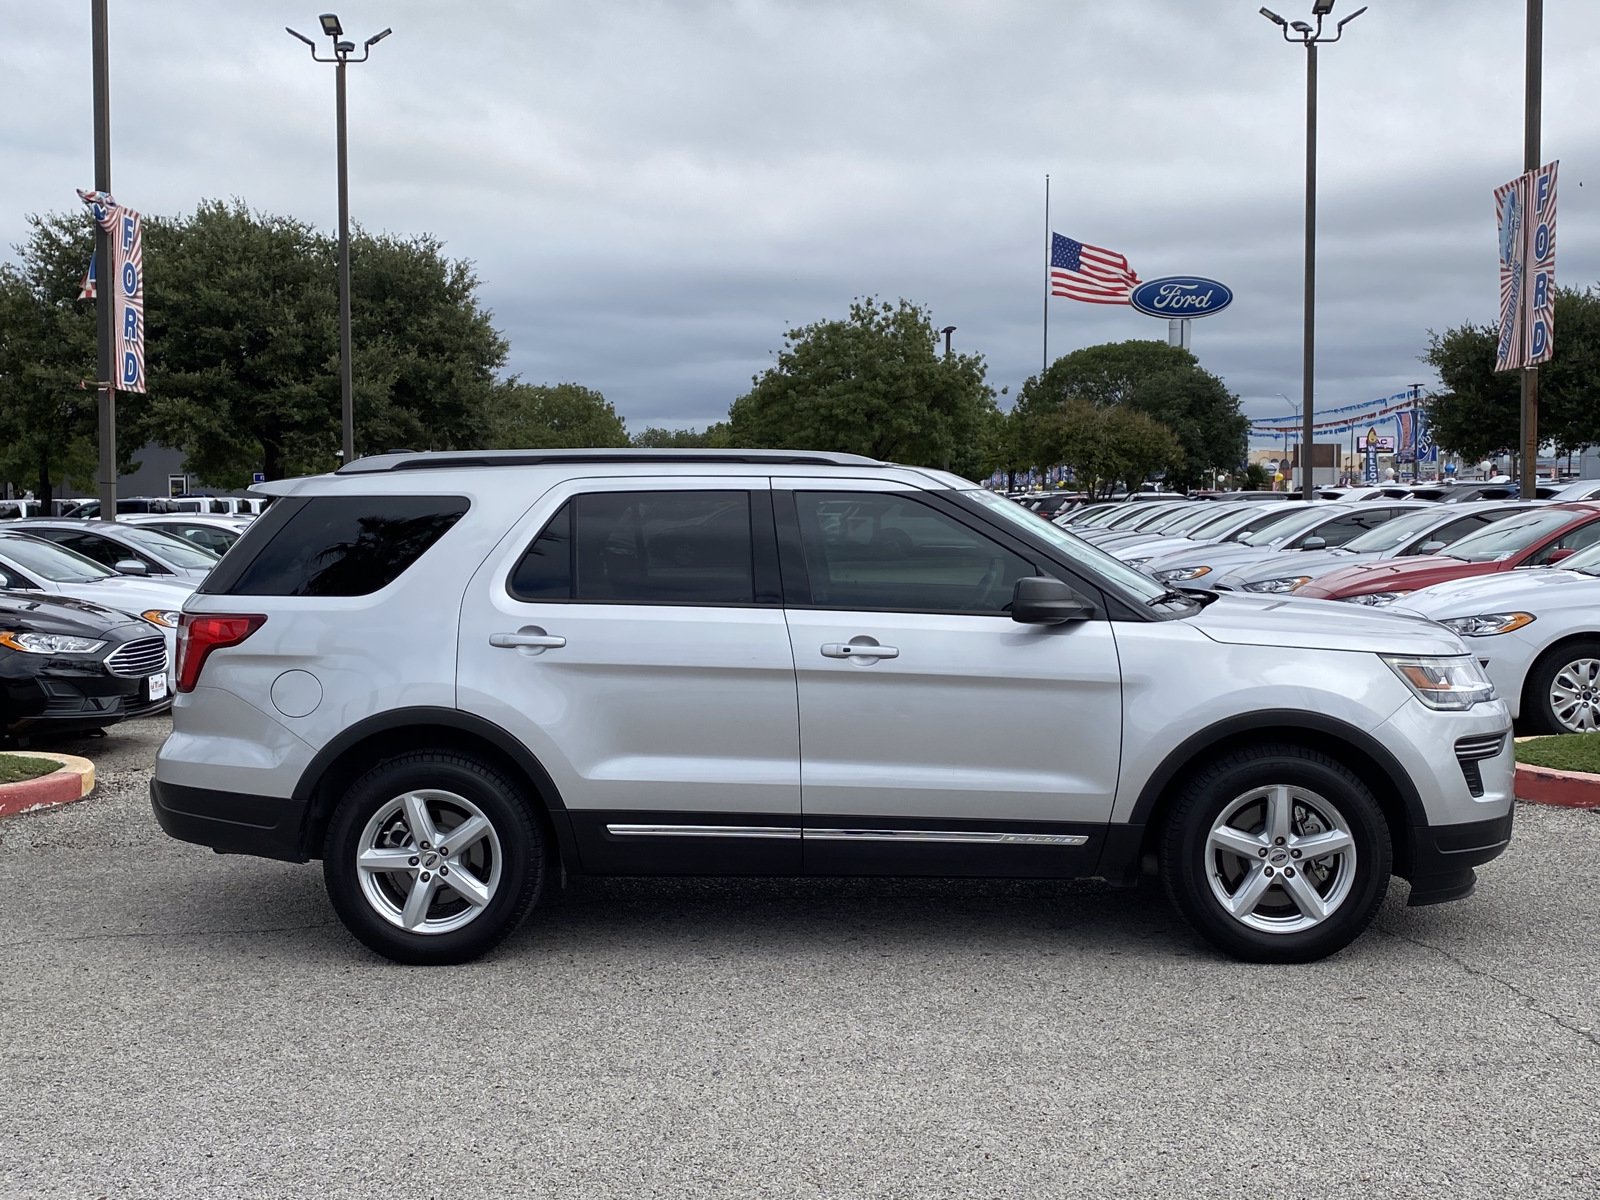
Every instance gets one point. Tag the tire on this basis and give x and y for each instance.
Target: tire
(387, 904)
(1220, 849)
(1573, 668)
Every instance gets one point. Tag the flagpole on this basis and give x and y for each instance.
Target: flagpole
(106, 281)
(1045, 361)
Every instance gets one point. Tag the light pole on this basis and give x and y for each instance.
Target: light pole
(342, 51)
(106, 289)
(947, 331)
(1310, 38)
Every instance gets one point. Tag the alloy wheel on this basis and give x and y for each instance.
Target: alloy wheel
(1280, 859)
(1575, 695)
(429, 861)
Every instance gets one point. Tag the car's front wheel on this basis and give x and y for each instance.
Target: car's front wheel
(434, 858)
(1563, 690)
(1277, 854)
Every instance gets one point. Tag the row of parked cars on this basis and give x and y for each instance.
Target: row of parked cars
(213, 506)
(1519, 579)
(89, 614)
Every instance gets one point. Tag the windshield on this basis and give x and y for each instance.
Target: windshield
(1200, 514)
(170, 548)
(1093, 561)
(1505, 538)
(1217, 524)
(54, 563)
(1289, 524)
(1398, 531)
(1099, 517)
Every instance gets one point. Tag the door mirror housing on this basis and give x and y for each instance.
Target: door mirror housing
(1432, 547)
(130, 566)
(1314, 543)
(1039, 600)
(1559, 553)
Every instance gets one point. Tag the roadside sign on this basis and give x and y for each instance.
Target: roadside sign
(177, 485)
(258, 477)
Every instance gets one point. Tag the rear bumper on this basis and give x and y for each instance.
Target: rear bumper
(1443, 857)
(230, 823)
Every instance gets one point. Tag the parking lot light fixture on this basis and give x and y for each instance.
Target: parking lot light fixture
(343, 54)
(1310, 37)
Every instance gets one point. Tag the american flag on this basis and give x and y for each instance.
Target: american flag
(1088, 273)
(86, 291)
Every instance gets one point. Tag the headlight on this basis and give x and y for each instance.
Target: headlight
(1448, 683)
(1182, 574)
(1287, 584)
(1375, 599)
(167, 618)
(1488, 624)
(48, 643)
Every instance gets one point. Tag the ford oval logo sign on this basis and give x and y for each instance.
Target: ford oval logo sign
(1178, 296)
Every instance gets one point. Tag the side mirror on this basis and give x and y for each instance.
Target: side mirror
(1432, 547)
(1039, 600)
(130, 566)
(1314, 543)
(1559, 553)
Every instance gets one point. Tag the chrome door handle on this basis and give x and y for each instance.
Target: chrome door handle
(532, 638)
(858, 650)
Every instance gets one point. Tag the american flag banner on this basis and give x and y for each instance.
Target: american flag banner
(1089, 273)
(1405, 447)
(86, 289)
(1510, 210)
(127, 287)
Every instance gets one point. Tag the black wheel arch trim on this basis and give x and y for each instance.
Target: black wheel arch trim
(453, 719)
(1266, 722)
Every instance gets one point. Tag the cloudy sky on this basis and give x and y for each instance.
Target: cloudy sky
(653, 192)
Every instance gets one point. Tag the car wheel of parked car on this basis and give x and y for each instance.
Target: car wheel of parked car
(434, 858)
(1563, 690)
(1277, 854)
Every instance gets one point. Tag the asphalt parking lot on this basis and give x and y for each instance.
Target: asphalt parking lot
(182, 1024)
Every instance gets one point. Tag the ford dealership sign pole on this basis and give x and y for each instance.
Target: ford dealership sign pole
(1180, 298)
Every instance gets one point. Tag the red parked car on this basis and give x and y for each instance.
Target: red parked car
(1532, 539)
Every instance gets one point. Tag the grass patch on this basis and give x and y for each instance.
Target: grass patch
(15, 768)
(1564, 752)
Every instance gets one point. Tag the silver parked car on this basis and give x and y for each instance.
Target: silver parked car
(451, 677)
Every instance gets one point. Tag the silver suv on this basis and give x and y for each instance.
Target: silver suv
(453, 677)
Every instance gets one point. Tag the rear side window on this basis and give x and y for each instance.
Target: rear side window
(334, 545)
(676, 547)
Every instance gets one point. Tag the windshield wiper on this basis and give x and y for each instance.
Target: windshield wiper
(1168, 596)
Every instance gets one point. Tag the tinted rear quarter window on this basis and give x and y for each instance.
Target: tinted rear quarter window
(334, 545)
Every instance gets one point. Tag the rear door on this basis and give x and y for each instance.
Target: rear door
(630, 632)
(938, 736)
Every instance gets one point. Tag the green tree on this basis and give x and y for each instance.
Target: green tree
(1165, 383)
(871, 384)
(1479, 413)
(712, 437)
(1105, 446)
(524, 416)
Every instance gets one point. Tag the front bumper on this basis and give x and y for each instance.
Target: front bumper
(1443, 857)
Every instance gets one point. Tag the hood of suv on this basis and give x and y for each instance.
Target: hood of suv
(1298, 625)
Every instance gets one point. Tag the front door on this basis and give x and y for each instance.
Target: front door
(938, 736)
(631, 634)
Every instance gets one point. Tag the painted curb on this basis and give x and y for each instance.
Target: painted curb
(72, 782)
(1566, 789)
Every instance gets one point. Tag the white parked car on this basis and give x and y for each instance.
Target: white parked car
(126, 548)
(1536, 631)
(1229, 524)
(216, 534)
(452, 677)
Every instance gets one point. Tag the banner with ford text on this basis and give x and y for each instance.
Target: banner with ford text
(126, 280)
(1525, 218)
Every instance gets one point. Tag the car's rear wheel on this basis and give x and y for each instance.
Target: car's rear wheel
(1563, 690)
(434, 858)
(1277, 854)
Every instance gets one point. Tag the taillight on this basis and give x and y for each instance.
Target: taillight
(201, 633)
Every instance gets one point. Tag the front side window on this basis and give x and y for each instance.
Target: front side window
(672, 547)
(881, 550)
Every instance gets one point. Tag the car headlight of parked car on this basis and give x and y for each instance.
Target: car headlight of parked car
(1286, 584)
(167, 618)
(48, 643)
(1455, 684)
(1488, 624)
(1375, 599)
(1182, 574)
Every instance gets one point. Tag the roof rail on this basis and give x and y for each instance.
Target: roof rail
(443, 459)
